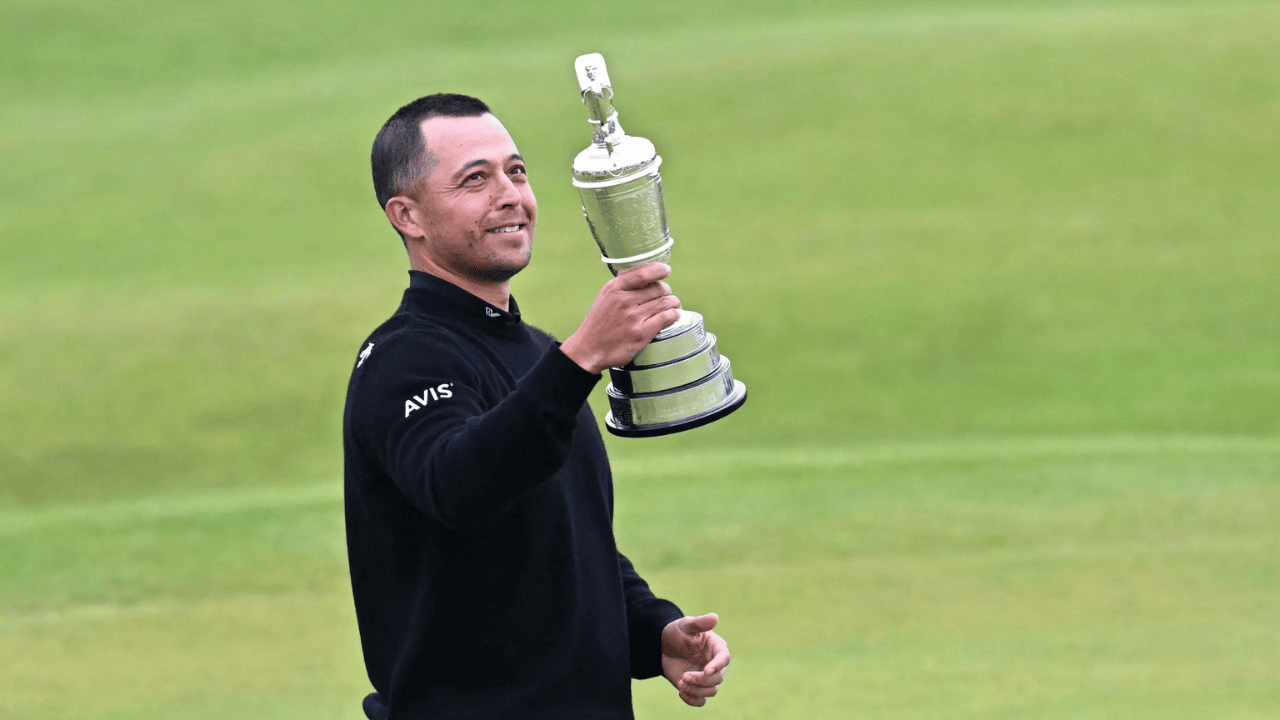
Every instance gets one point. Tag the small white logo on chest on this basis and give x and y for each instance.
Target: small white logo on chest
(491, 312)
(364, 354)
(437, 393)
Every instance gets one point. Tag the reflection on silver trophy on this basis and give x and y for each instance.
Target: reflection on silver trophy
(679, 381)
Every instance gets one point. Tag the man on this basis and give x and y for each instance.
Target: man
(479, 502)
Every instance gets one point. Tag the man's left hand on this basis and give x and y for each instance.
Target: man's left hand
(694, 658)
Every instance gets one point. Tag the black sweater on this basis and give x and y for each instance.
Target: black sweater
(479, 510)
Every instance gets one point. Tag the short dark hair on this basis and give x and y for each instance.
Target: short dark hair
(400, 155)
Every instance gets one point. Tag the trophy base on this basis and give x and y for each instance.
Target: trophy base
(678, 382)
(732, 402)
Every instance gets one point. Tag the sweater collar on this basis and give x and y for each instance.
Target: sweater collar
(431, 295)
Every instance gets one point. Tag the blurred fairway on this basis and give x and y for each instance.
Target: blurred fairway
(1002, 278)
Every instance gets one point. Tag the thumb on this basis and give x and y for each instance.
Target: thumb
(700, 624)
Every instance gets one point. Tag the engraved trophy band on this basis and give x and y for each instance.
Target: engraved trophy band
(680, 380)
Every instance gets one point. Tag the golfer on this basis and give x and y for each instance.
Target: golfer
(479, 502)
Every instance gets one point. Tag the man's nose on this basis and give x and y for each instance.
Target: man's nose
(508, 195)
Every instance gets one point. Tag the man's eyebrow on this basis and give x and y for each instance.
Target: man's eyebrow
(468, 166)
(477, 163)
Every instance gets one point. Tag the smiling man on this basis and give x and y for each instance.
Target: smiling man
(479, 503)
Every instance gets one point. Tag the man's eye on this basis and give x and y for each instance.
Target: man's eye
(519, 170)
(474, 176)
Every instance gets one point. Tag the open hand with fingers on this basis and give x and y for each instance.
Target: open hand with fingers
(694, 658)
(630, 310)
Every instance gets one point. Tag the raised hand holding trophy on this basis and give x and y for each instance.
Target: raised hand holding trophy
(679, 381)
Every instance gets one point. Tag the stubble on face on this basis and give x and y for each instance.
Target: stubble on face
(476, 260)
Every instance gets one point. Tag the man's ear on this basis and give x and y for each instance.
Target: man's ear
(405, 216)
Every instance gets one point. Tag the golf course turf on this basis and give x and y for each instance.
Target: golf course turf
(1002, 278)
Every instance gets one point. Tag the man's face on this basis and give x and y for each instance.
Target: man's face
(480, 210)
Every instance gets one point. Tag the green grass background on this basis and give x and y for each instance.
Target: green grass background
(1001, 276)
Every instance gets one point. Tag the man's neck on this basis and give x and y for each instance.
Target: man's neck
(497, 294)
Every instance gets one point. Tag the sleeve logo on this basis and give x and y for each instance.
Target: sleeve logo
(437, 393)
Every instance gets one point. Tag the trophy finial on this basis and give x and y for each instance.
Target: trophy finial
(592, 73)
(597, 93)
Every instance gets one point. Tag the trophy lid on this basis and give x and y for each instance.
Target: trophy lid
(628, 157)
(613, 154)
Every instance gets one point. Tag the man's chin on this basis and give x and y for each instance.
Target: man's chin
(497, 275)
(500, 273)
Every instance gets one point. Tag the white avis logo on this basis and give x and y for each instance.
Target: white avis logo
(417, 402)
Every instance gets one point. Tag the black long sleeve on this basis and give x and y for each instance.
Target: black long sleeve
(486, 578)
(460, 461)
(647, 615)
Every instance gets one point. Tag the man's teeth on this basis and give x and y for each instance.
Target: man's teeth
(507, 229)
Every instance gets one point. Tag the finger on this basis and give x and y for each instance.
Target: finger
(651, 327)
(704, 691)
(702, 623)
(648, 292)
(721, 659)
(653, 306)
(702, 679)
(638, 277)
(692, 699)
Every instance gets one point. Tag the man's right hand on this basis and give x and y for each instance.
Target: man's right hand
(630, 310)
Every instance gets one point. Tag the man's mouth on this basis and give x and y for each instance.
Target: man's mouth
(507, 228)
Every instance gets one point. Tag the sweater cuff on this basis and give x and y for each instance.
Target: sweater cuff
(558, 384)
(644, 626)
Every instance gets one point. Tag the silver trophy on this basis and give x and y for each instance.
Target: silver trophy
(679, 381)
